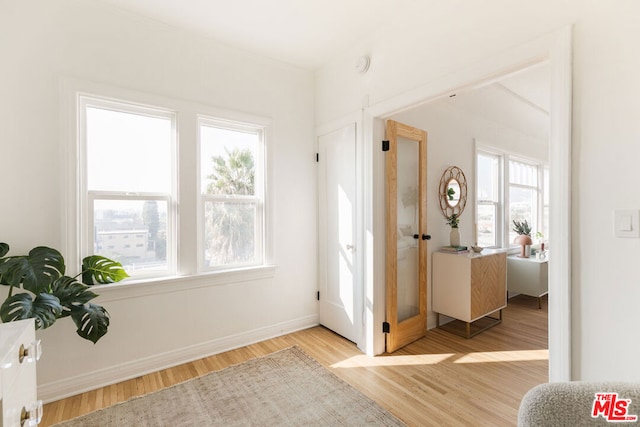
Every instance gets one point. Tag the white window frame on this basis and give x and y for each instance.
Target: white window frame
(538, 188)
(499, 204)
(187, 273)
(544, 176)
(88, 197)
(504, 184)
(258, 198)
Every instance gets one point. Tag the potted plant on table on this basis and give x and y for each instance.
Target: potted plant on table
(523, 238)
(454, 235)
(44, 293)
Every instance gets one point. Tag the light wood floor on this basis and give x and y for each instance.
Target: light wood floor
(440, 380)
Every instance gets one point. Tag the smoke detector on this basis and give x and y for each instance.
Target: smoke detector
(362, 64)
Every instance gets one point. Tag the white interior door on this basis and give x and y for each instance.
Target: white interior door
(340, 296)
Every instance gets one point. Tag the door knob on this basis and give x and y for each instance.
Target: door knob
(350, 248)
(426, 237)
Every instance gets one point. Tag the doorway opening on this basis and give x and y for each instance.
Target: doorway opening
(507, 118)
(556, 49)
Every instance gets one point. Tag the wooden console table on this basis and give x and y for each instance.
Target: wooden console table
(470, 287)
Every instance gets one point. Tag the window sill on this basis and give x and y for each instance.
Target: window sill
(140, 288)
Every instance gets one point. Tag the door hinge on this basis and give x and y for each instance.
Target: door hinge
(385, 145)
(386, 328)
(317, 157)
(318, 296)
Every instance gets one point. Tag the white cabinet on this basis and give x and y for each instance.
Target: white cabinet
(528, 276)
(19, 352)
(469, 286)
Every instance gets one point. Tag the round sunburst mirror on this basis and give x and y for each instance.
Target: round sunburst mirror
(453, 191)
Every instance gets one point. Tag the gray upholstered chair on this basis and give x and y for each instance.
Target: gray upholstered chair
(571, 404)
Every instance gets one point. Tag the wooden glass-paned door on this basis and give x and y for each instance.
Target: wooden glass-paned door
(406, 215)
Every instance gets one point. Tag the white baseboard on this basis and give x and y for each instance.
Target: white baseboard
(56, 390)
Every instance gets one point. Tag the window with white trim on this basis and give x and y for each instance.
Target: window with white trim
(509, 188)
(231, 194)
(128, 209)
(489, 200)
(545, 203)
(131, 166)
(524, 193)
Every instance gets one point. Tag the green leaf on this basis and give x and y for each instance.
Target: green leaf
(97, 269)
(4, 249)
(51, 294)
(71, 294)
(45, 309)
(92, 321)
(34, 272)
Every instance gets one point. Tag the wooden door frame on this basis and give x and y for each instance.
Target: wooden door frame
(409, 330)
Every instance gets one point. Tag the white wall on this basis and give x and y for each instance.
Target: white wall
(606, 140)
(42, 42)
(421, 47)
(450, 142)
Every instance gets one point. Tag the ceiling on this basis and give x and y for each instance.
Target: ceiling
(309, 33)
(519, 101)
(304, 33)
(532, 85)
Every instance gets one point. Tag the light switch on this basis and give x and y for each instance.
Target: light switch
(626, 223)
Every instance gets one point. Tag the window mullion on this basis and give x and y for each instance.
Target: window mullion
(117, 195)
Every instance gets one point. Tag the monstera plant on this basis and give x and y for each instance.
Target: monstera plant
(39, 289)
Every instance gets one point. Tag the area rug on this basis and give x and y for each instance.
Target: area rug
(286, 388)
